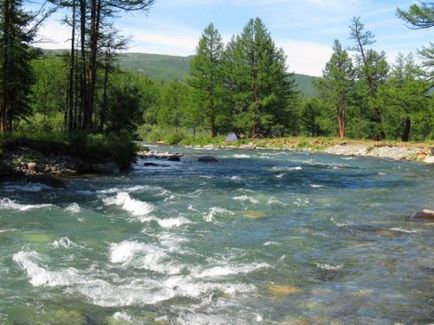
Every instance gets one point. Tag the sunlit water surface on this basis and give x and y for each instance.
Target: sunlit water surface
(260, 237)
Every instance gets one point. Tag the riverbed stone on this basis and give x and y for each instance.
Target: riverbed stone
(423, 215)
(46, 179)
(281, 290)
(253, 214)
(208, 159)
(109, 167)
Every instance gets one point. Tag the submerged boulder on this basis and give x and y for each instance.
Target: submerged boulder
(151, 164)
(281, 290)
(208, 159)
(423, 215)
(106, 168)
(46, 179)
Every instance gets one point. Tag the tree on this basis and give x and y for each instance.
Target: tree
(89, 20)
(206, 74)
(372, 67)
(17, 31)
(337, 84)
(124, 109)
(418, 16)
(255, 76)
(404, 97)
(315, 117)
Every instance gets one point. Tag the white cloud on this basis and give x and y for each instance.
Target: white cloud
(305, 57)
(54, 35)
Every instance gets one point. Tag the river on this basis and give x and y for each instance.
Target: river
(260, 237)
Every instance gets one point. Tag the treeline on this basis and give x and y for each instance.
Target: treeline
(79, 85)
(242, 86)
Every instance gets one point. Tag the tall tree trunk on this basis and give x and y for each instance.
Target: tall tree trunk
(102, 115)
(5, 61)
(406, 127)
(69, 121)
(376, 114)
(83, 75)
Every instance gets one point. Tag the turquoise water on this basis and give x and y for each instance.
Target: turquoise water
(261, 237)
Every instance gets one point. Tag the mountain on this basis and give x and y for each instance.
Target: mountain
(167, 67)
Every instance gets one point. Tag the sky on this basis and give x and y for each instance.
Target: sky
(304, 29)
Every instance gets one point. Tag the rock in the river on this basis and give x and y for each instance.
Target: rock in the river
(423, 215)
(151, 164)
(207, 159)
(46, 179)
(281, 290)
(174, 158)
(106, 168)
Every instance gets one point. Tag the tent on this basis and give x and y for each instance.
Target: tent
(232, 136)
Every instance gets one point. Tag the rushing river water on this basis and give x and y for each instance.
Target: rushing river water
(261, 237)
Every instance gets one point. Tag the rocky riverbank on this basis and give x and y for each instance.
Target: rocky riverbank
(409, 152)
(47, 162)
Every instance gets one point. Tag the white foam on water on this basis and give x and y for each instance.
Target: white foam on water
(273, 200)
(85, 192)
(140, 255)
(226, 270)
(328, 267)
(122, 316)
(125, 251)
(190, 208)
(271, 243)
(65, 242)
(38, 275)
(168, 222)
(242, 156)
(122, 292)
(301, 202)
(214, 211)
(407, 231)
(245, 198)
(316, 186)
(285, 169)
(29, 187)
(7, 230)
(236, 178)
(132, 206)
(9, 204)
(73, 208)
(133, 189)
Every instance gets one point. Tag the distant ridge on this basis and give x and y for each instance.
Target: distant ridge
(170, 67)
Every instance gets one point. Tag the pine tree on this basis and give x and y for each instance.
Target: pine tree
(404, 98)
(17, 30)
(206, 75)
(372, 67)
(418, 16)
(256, 77)
(337, 83)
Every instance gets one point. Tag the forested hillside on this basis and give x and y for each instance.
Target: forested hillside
(167, 68)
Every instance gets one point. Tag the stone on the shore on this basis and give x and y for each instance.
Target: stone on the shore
(281, 290)
(46, 179)
(106, 168)
(32, 166)
(429, 160)
(423, 215)
(207, 159)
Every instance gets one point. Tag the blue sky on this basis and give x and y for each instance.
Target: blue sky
(305, 29)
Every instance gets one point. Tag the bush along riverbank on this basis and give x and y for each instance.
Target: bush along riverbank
(43, 161)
